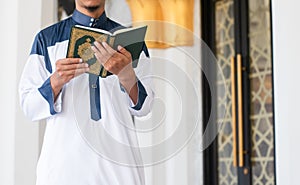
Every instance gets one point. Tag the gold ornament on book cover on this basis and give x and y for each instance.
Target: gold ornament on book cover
(80, 46)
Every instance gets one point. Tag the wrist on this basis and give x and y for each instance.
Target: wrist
(129, 82)
(127, 76)
(56, 87)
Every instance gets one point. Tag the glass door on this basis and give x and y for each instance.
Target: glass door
(239, 33)
(224, 50)
(261, 96)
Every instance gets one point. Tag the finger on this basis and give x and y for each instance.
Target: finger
(94, 48)
(100, 52)
(68, 61)
(100, 48)
(61, 68)
(109, 49)
(80, 71)
(72, 67)
(71, 73)
(124, 52)
(75, 72)
(100, 57)
(97, 53)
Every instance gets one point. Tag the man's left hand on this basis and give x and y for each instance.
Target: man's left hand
(119, 63)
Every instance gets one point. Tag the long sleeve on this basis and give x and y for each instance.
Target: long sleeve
(145, 88)
(35, 92)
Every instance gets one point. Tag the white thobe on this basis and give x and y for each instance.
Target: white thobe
(76, 149)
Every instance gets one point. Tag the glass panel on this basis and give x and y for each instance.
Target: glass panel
(224, 51)
(261, 93)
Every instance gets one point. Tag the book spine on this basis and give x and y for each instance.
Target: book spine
(111, 42)
(103, 72)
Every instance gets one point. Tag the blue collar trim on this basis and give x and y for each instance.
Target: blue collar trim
(85, 20)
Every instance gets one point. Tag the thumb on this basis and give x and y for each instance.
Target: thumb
(124, 51)
(121, 49)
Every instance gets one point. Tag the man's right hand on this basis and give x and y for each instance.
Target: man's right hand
(66, 70)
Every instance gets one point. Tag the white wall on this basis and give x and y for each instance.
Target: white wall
(184, 167)
(19, 138)
(8, 89)
(286, 40)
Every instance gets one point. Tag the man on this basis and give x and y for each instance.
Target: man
(49, 89)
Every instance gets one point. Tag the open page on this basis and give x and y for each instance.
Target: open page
(94, 29)
(130, 29)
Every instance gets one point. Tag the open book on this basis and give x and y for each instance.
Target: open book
(82, 38)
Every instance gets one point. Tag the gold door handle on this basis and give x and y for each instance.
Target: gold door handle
(233, 110)
(240, 111)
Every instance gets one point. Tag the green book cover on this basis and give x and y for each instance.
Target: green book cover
(82, 38)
